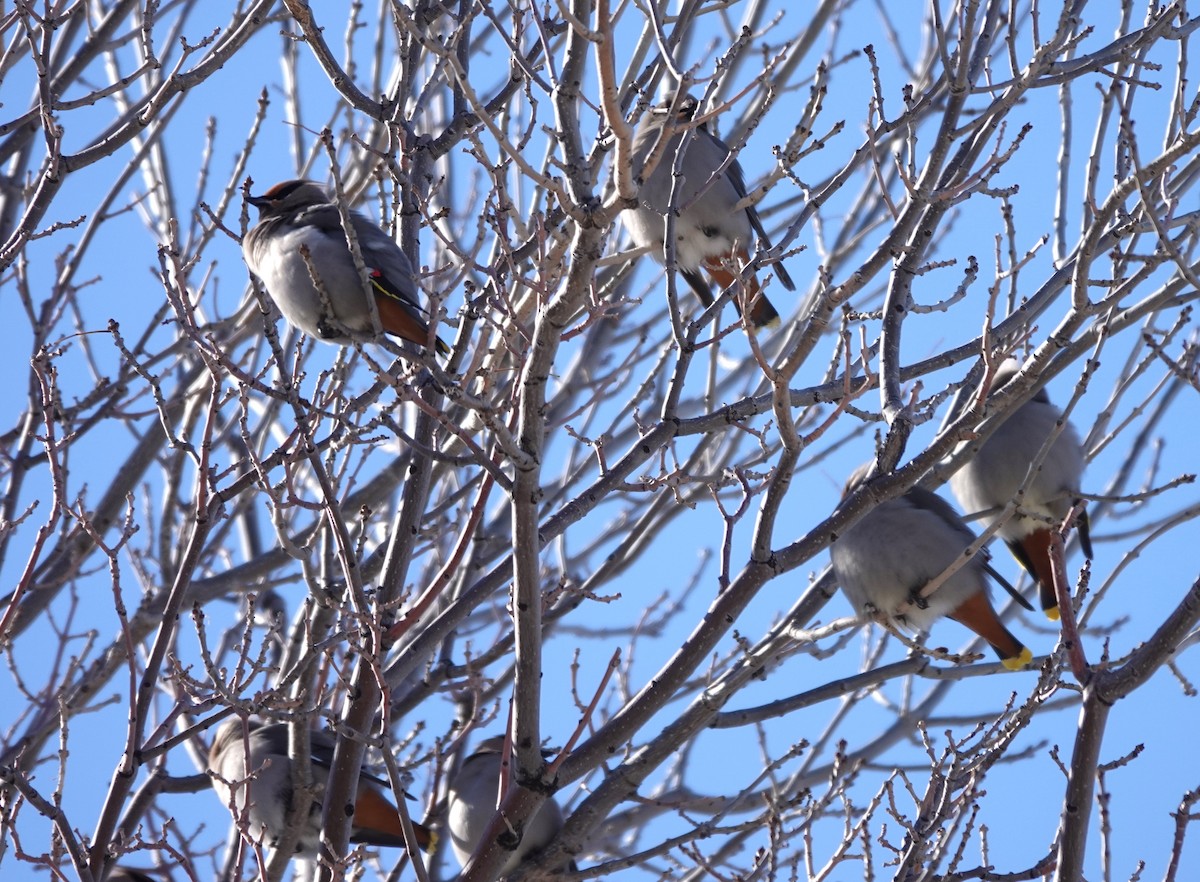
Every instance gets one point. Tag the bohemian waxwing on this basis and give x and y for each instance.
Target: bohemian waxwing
(476, 791)
(297, 215)
(265, 770)
(888, 556)
(991, 478)
(708, 232)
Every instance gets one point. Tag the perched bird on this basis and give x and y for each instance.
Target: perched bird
(1000, 466)
(888, 556)
(265, 772)
(708, 232)
(474, 795)
(299, 237)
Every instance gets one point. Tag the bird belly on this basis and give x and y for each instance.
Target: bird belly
(895, 551)
(694, 243)
(266, 814)
(289, 281)
(992, 478)
(704, 225)
(647, 229)
(468, 823)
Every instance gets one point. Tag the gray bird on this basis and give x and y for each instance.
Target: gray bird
(474, 795)
(888, 556)
(709, 234)
(265, 773)
(297, 217)
(992, 476)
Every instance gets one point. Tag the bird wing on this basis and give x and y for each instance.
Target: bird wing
(737, 178)
(391, 273)
(381, 253)
(931, 502)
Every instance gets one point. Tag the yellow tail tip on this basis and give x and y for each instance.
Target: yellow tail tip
(1052, 613)
(1016, 664)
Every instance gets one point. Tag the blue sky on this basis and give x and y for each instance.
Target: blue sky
(1023, 798)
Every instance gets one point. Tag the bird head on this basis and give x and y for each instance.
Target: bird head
(289, 196)
(678, 111)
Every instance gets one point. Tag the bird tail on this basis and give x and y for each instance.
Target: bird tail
(1083, 526)
(1033, 553)
(977, 613)
(761, 312)
(377, 822)
(398, 316)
